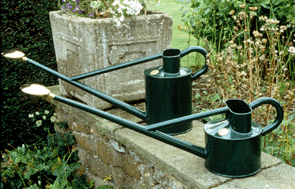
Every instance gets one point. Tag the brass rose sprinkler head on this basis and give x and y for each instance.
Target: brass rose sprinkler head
(36, 90)
(14, 54)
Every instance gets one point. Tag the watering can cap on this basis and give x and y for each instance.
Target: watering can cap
(158, 72)
(222, 129)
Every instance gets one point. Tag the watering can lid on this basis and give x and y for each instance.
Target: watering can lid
(158, 72)
(222, 129)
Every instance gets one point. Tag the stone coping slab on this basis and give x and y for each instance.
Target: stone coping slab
(184, 166)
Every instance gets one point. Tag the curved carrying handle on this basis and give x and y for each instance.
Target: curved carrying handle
(199, 50)
(279, 109)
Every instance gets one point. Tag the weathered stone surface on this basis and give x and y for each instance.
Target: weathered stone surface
(280, 176)
(99, 181)
(184, 166)
(147, 172)
(83, 45)
(86, 142)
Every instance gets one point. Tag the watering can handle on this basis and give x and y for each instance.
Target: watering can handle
(199, 50)
(279, 109)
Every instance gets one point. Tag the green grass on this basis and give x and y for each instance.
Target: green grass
(179, 38)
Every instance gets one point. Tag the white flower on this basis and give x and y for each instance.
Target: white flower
(117, 21)
(53, 119)
(95, 4)
(243, 73)
(121, 18)
(232, 12)
(46, 112)
(292, 50)
(37, 113)
(120, 10)
(44, 117)
(39, 123)
(31, 115)
(132, 7)
(242, 6)
(272, 21)
(116, 2)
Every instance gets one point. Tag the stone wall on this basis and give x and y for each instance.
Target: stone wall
(117, 156)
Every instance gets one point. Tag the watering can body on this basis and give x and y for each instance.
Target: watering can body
(233, 144)
(169, 92)
(234, 154)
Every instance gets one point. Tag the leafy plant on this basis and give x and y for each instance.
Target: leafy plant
(51, 165)
(211, 19)
(281, 142)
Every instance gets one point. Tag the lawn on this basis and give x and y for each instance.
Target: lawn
(179, 38)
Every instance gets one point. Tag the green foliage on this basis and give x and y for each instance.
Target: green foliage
(104, 187)
(46, 164)
(281, 141)
(24, 25)
(212, 20)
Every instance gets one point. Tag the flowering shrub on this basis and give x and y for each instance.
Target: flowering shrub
(51, 164)
(42, 118)
(117, 9)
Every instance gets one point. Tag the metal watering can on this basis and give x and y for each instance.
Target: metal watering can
(168, 87)
(233, 144)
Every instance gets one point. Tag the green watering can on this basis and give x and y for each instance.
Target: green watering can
(168, 87)
(233, 144)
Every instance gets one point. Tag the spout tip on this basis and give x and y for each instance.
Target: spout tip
(13, 54)
(35, 89)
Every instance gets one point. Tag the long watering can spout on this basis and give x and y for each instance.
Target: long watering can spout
(39, 90)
